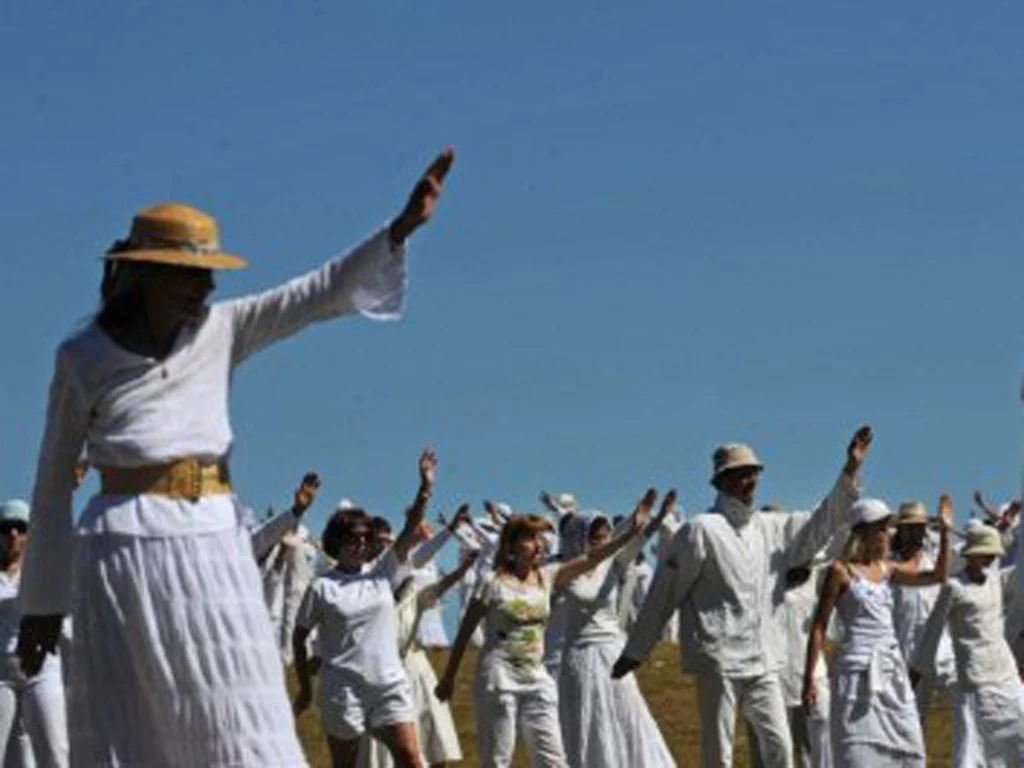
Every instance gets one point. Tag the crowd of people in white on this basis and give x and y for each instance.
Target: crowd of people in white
(154, 628)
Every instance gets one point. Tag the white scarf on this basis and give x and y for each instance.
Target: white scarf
(735, 511)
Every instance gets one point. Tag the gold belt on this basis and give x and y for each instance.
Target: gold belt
(181, 479)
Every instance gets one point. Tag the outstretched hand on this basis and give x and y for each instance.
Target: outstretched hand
(857, 450)
(424, 198)
(644, 507)
(428, 468)
(305, 495)
(946, 511)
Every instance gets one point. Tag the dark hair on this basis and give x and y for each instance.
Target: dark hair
(339, 529)
(597, 523)
(379, 525)
(121, 298)
(518, 527)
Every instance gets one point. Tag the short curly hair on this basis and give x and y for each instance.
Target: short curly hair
(339, 529)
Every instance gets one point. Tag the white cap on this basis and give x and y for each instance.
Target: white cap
(14, 510)
(345, 504)
(867, 511)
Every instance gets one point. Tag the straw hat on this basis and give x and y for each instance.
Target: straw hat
(868, 511)
(14, 511)
(733, 456)
(176, 234)
(912, 513)
(983, 540)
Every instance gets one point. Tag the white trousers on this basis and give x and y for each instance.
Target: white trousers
(533, 713)
(33, 707)
(763, 707)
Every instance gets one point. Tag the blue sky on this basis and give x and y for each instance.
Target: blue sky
(670, 225)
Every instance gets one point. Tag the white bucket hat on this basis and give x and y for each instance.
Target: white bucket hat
(983, 540)
(912, 513)
(868, 511)
(566, 503)
(733, 456)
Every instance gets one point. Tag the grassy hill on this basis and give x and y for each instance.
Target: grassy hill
(670, 695)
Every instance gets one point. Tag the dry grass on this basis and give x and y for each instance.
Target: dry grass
(670, 695)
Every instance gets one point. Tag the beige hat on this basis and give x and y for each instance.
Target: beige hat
(733, 456)
(912, 513)
(983, 540)
(176, 234)
(566, 502)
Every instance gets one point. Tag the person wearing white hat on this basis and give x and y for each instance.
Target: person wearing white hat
(912, 545)
(173, 655)
(727, 569)
(874, 719)
(34, 705)
(972, 606)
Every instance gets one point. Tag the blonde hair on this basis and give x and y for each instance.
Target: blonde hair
(854, 548)
(518, 527)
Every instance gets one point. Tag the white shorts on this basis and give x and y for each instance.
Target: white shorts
(348, 711)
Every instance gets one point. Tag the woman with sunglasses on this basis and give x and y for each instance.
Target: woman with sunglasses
(37, 700)
(363, 683)
(514, 691)
(174, 659)
(873, 717)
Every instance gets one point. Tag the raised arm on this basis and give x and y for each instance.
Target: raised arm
(575, 568)
(428, 550)
(369, 280)
(835, 582)
(414, 516)
(45, 592)
(924, 654)
(268, 534)
(475, 612)
(633, 547)
(908, 575)
(806, 535)
(434, 592)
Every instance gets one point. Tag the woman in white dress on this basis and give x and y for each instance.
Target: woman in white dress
(364, 688)
(174, 659)
(971, 605)
(605, 722)
(32, 708)
(874, 718)
(514, 692)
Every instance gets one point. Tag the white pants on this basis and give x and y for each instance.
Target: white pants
(998, 712)
(533, 713)
(764, 708)
(34, 707)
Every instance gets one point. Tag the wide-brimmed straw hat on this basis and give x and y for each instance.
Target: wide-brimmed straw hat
(733, 456)
(911, 513)
(983, 540)
(176, 234)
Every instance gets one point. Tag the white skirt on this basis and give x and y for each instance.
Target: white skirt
(879, 728)
(431, 633)
(605, 722)
(174, 659)
(998, 712)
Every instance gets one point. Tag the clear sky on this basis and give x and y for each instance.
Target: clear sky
(670, 225)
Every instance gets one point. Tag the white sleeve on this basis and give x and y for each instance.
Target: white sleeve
(806, 534)
(673, 580)
(369, 280)
(46, 573)
(267, 535)
(924, 655)
(428, 550)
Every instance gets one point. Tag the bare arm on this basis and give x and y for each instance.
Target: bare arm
(434, 592)
(475, 612)
(415, 514)
(836, 582)
(305, 692)
(908, 574)
(573, 569)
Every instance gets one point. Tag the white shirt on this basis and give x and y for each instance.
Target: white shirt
(355, 613)
(134, 411)
(974, 613)
(911, 608)
(727, 571)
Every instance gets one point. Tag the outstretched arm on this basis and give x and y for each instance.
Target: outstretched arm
(414, 516)
(428, 550)
(908, 575)
(369, 280)
(431, 594)
(475, 612)
(267, 535)
(573, 569)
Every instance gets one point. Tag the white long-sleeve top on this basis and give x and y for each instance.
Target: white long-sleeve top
(133, 411)
(727, 570)
(911, 608)
(974, 614)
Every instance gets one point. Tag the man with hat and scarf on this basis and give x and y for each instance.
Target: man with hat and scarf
(727, 571)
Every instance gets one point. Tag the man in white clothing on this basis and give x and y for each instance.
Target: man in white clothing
(727, 570)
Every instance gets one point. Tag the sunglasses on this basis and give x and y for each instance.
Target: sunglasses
(12, 525)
